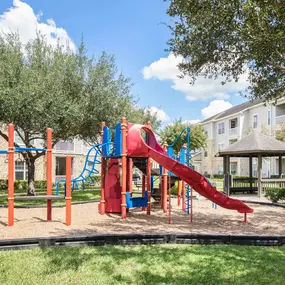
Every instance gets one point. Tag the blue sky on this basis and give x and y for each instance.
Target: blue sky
(134, 32)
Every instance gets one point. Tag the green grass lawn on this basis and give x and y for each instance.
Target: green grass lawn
(156, 264)
(77, 196)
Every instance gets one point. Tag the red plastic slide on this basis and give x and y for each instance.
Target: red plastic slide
(138, 148)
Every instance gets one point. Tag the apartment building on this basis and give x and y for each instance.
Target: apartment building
(233, 124)
(76, 148)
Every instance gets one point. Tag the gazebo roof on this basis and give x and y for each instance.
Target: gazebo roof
(253, 144)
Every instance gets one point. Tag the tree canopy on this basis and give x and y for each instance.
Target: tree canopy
(171, 132)
(42, 86)
(230, 38)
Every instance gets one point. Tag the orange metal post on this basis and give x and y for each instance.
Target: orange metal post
(124, 167)
(49, 172)
(143, 189)
(68, 192)
(164, 184)
(130, 175)
(11, 175)
(148, 178)
(178, 192)
(169, 201)
(183, 196)
(103, 169)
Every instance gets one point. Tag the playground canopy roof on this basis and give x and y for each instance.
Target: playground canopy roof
(253, 144)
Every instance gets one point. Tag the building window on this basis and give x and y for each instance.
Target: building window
(233, 168)
(220, 169)
(233, 123)
(65, 146)
(268, 117)
(255, 121)
(205, 153)
(220, 146)
(221, 128)
(61, 166)
(21, 170)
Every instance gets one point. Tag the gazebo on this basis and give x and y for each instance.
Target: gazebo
(253, 145)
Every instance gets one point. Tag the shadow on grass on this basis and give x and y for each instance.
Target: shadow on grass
(173, 264)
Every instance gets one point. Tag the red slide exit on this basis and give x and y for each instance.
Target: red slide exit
(138, 148)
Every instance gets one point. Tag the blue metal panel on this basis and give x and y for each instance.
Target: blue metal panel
(3, 152)
(182, 155)
(134, 202)
(106, 141)
(118, 140)
(151, 183)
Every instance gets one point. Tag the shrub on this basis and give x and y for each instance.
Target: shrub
(21, 185)
(3, 184)
(218, 176)
(275, 194)
(207, 175)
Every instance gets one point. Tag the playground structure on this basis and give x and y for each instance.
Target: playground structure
(48, 197)
(129, 145)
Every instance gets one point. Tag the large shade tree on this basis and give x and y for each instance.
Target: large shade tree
(42, 86)
(170, 133)
(228, 38)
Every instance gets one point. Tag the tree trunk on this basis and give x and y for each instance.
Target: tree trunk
(31, 177)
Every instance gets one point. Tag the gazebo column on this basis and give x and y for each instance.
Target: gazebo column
(280, 165)
(226, 167)
(250, 172)
(259, 174)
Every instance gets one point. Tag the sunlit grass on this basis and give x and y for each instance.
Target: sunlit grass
(156, 264)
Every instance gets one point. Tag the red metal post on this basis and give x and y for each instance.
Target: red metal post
(49, 172)
(191, 205)
(103, 169)
(164, 184)
(183, 196)
(143, 189)
(148, 178)
(68, 192)
(245, 218)
(11, 175)
(124, 168)
(169, 201)
(178, 192)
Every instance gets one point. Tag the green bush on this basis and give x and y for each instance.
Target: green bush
(275, 194)
(21, 185)
(207, 175)
(40, 184)
(218, 176)
(3, 184)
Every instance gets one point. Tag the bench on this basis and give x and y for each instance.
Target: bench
(44, 197)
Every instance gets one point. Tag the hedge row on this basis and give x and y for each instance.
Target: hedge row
(22, 184)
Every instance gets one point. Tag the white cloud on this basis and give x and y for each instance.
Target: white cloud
(22, 19)
(166, 69)
(160, 113)
(191, 122)
(215, 107)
